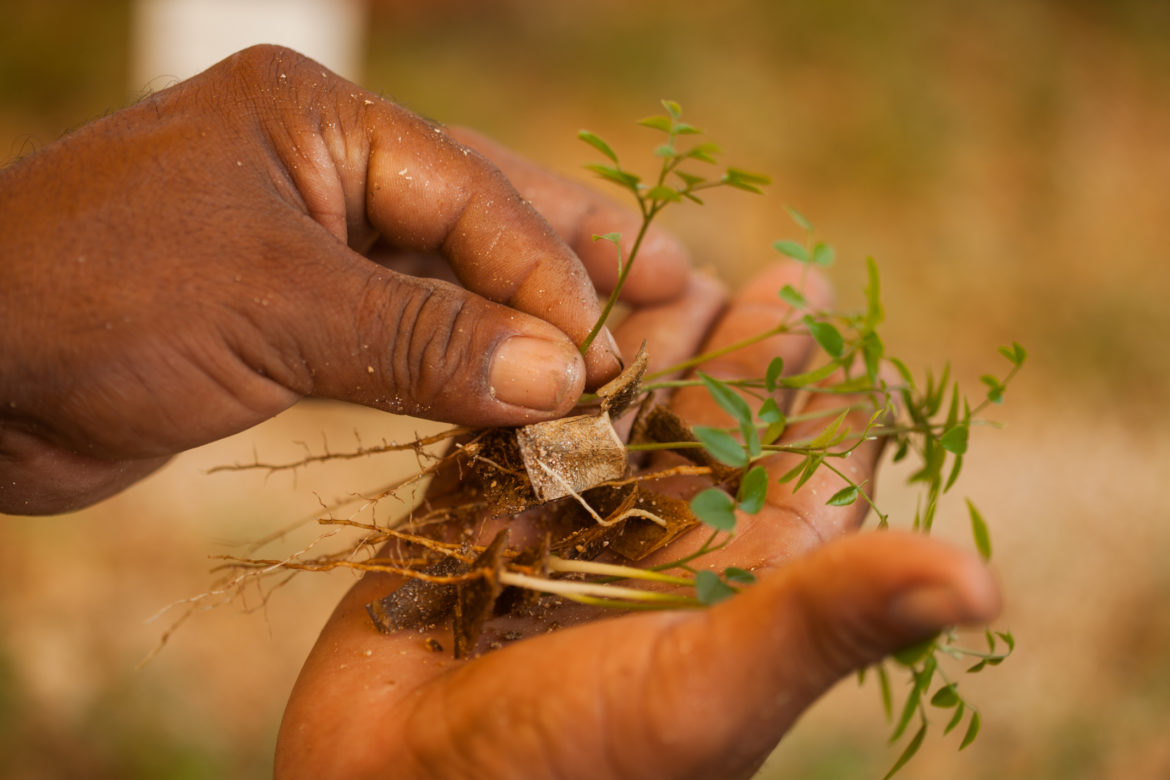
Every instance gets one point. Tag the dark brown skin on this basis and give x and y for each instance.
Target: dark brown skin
(651, 695)
(190, 266)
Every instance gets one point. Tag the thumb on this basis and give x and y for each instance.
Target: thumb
(773, 650)
(429, 348)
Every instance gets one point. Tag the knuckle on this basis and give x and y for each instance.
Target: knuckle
(430, 331)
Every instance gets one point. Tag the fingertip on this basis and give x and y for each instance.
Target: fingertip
(811, 282)
(603, 360)
(661, 271)
(537, 373)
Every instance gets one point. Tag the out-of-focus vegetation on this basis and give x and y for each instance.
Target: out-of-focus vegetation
(1007, 163)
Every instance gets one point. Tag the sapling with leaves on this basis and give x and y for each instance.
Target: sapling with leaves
(605, 531)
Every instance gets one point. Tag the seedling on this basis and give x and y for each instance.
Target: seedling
(603, 518)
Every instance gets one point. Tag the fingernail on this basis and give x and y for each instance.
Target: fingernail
(926, 609)
(610, 342)
(535, 373)
(606, 342)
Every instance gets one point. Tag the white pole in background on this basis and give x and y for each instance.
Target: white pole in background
(175, 39)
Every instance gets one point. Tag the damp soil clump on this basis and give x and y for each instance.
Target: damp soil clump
(572, 479)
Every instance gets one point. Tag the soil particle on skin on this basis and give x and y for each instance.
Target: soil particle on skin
(496, 465)
(418, 603)
(475, 599)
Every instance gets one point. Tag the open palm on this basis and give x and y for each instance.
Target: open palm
(675, 694)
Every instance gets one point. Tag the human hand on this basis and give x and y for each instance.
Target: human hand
(190, 266)
(664, 695)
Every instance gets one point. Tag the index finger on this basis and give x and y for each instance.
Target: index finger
(424, 191)
(578, 213)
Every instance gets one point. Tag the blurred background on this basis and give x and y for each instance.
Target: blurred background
(1006, 162)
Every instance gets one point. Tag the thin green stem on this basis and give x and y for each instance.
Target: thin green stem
(594, 601)
(655, 446)
(613, 570)
(681, 563)
(572, 588)
(715, 353)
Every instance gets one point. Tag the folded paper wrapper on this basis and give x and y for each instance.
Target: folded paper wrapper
(568, 456)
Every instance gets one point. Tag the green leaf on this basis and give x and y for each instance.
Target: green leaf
(751, 438)
(702, 153)
(722, 446)
(747, 177)
(662, 192)
(909, 707)
(770, 411)
(627, 180)
(658, 122)
(792, 249)
(826, 335)
(945, 696)
(613, 238)
(772, 375)
(729, 400)
(682, 128)
(958, 467)
(1007, 637)
(739, 576)
(710, 589)
(740, 184)
(823, 254)
(972, 731)
(1015, 353)
(828, 434)
(843, 497)
(934, 395)
(979, 531)
(773, 432)
(955, 439)
(794, 471)
(995, 388)
(810, 467)
(689, 178)
(810, 377)
(907, 377)
(753, 490)
(887, 695)
(665, 150)
(714, 508)
(872, 349)
(595, 141)
(956, 719)
(672, 108)
(912, 654)
(799, 218)
(792, 297)
(907, 754)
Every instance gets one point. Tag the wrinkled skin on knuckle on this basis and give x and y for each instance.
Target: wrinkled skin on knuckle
(437, 349)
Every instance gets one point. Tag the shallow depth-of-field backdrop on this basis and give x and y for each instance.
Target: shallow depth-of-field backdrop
(1008, 165)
